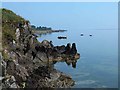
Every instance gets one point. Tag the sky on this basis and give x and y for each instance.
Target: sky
(68, 15)
(60, 0)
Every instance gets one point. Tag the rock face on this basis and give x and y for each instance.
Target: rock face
(27, 63)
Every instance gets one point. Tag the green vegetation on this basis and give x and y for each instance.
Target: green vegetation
(40, 28)
(9, 16)
(9, 23)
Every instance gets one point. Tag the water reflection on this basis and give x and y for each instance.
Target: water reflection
(68, 62)
(74, 64)
(99, 57)
(71, 62)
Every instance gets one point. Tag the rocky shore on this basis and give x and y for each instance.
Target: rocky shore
(27, 63)
(33, 66)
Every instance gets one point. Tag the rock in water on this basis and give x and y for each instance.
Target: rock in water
(73, 50)
(67, 48)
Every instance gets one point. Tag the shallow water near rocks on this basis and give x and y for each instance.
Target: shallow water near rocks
(98, 64)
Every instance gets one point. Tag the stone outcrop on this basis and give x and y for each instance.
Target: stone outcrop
(27, 63)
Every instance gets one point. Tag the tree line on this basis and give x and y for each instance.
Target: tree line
(40, 28)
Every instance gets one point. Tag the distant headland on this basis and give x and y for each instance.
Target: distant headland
(44, 30)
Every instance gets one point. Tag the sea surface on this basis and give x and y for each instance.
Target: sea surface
(98, 63)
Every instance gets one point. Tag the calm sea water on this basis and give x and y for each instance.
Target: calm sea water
(98, 64)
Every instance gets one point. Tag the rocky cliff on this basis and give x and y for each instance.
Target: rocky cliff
(27, 63)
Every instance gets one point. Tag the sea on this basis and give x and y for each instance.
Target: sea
(98, 63)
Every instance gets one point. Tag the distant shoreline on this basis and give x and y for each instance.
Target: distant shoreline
(47, 31)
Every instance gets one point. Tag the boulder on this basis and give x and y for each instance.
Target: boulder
(17, 70)
(47, 44)
(9, 82)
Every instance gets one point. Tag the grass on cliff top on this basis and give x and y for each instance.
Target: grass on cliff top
(9, 23)
(10, 16)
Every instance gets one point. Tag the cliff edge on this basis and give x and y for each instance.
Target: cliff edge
(27, 63)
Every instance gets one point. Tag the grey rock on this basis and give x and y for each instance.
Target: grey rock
(10, 82)
(47, 44)
(31, 63)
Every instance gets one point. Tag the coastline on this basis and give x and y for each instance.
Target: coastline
(47, 31)
(28, 63)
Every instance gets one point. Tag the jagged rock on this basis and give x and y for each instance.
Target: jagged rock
(9, 82)
(73, 50)
(67, 49)
(42, 56)
(33, 54)
(61, 49)
(59, 80)
(47, 44)
(55, 79)
(2, 66)
(30, 64)
(40, 48)
(17, 34)
(51, 44)
(32, 67)
(17, 70)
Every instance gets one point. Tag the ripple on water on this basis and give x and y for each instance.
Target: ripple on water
(81, 74)
(86, 82)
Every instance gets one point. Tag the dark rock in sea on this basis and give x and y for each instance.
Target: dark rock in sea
(67, 49)
(82, 34)
(90, 35)
(73, 50)
(62, 37)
